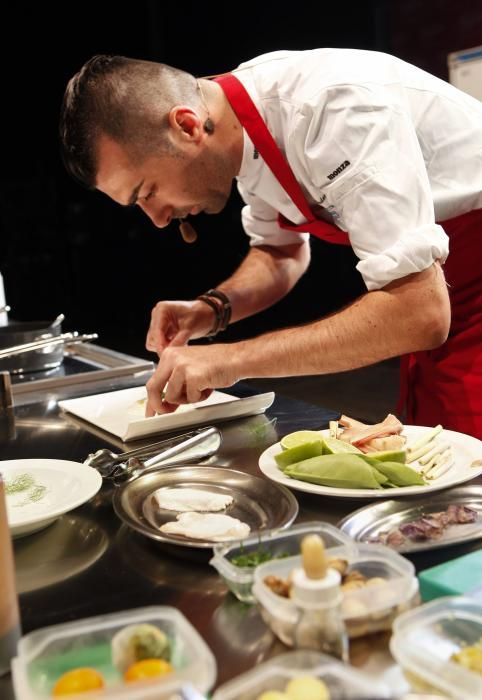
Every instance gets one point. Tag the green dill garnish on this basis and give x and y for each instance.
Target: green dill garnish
(255, 558)
(22, 482)
(37, 493)
(26, 485)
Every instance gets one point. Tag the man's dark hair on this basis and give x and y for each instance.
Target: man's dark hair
(124, 98)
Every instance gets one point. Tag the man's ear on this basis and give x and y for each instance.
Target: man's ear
(185, 123)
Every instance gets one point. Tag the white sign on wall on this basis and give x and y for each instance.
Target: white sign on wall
(465, 71)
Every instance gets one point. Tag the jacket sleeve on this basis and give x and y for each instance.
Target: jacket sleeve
(260, 221)
(359, 150)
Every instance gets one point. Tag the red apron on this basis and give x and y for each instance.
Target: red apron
(437, 386)
(445, 385)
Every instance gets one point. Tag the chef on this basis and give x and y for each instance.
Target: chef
(355, 147)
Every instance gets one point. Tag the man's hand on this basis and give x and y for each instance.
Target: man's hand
(264, 277)
(190, 373)
(173, 323)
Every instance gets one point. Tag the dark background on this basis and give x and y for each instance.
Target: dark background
(64, 249)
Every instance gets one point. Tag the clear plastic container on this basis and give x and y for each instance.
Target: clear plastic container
(424, 639)
(277, 543)
(342, 681)
(365, 610)
(46, 654)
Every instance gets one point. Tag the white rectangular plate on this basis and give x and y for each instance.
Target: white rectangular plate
(118, 412)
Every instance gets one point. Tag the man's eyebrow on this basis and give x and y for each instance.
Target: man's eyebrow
(134, 195)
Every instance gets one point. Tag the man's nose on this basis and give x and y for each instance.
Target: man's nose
(160, 216)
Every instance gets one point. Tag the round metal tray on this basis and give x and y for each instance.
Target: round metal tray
(368, 522)
(260, 503)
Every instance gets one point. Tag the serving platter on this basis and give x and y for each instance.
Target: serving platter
(467, 465)
(259, 503)
(366, 524)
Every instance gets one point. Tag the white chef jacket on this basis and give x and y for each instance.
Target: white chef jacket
(380, 148)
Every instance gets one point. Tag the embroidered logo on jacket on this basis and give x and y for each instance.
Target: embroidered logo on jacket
(338, 170)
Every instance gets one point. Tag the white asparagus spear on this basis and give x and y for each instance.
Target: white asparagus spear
(426, 438)
(433, 463)
(417, 468)
(442, 467)
(420, 452)
(441, 470)
(333, 426)
(436, 449)
(424, 451)
(437, 461)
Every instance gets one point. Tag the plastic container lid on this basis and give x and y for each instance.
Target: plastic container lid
(316, 593)
(425, 638)
(343, 681)
(45, 654)
(239, 579)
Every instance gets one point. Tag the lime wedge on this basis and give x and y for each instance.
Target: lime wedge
(389, 456)
(300, 437)
(299, 453)
(334, 446)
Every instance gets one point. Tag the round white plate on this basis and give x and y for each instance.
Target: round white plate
(67, 485)
(466, 448)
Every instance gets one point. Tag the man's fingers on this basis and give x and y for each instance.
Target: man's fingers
(155, 387)
(181, 338)
(193, 394)
(182, 379)
(156, 340)
(166, 408)
(157, 335)
(205, 394)
(175, 389)
(169, 407)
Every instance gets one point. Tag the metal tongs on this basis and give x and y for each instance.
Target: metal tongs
(64, 338)
(194, 445)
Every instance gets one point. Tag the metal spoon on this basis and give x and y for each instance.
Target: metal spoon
(193, 445)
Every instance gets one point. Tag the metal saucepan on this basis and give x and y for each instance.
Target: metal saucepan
(17, 333)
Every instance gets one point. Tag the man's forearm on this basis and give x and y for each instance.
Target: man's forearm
(264, 277)
(409, 315)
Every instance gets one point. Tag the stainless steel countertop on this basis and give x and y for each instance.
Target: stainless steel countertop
(88, 562)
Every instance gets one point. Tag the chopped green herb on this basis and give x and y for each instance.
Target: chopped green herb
(22, 482)
(26, 485)
(37, 493)
(258, 556)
